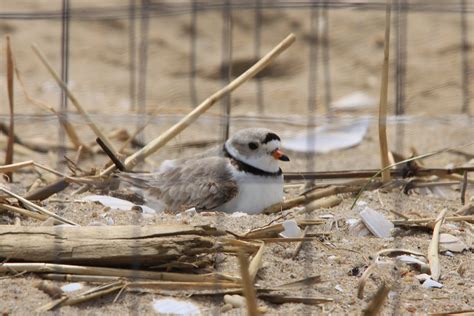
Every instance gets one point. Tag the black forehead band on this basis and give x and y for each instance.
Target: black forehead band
(270, 137)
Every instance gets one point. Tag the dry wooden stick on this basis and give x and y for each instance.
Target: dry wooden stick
(11, 131)
(248, 287)
(45, 192)
(164, 138)
(37, 208)
(433, 249)
(73, 99)
(111, 155)
(383, 99)
(306, 198)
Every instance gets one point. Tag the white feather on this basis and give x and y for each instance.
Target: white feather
(255, 193)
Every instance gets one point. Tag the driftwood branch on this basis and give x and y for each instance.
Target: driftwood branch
(112, 246)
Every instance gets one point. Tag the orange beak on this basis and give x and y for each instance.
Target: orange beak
(279, 155)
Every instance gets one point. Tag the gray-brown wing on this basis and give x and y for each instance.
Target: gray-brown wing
(204, 183)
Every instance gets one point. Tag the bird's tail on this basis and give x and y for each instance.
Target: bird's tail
(140, 180)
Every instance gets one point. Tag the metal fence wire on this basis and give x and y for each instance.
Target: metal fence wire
(140, 61)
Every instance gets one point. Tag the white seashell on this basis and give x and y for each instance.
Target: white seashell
(291, 229)
(170, 306)
(71, 287)
(376, 223)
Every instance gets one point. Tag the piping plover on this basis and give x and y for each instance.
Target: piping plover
(243, 175)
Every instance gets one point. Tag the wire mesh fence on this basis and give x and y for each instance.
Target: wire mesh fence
(142, 65)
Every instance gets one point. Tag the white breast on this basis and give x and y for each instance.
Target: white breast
(255, 193)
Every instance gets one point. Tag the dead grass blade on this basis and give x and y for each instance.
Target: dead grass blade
(307, 282)
(45, 192)
(311, 196)
(70, 131)
(274, 230)
(126, 273)
(429, 220)
(376, 304)
(256, 262)
(300, 244)
(383, 99)
(282, 298)
(164, 138)
(11, 131)
(433, 249)
(37, 208)
(437, 152)
(73, 99)
(23, 212)
(363, 280)
(86, 296)
(247, 285)
(463, 188)
(467, 312)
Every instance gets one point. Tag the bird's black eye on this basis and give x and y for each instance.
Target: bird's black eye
(253, 145)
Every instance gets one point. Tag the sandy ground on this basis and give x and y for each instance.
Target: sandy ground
(99, 76)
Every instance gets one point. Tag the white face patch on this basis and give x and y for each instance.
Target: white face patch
(262, 158)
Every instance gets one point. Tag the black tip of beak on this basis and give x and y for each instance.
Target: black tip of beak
(284, 158)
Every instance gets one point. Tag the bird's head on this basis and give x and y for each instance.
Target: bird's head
(258, 147)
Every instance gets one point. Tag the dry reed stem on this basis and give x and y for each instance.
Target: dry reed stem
(16, 166)
(158, 285)
(79, 278)
(164, 138)
(70, 131)
(11, 131)
(127, 273)
(181, 286)
(384, 159)
(376, 304)
(428, 220)
(396, 251)
(300, 244)
(84, 297)
(23, 212)
(466, 210)
(247, 285)
(37, 208)
(458, 177)
(433, 249)
(463, 188)
(326, 202)
(282, 299)
(256, 262)
(273, 230)
(29, 163)
(139, 129)
(306, 198)
(363, 280)
(73, 99)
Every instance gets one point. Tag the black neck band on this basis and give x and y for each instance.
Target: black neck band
(242, 166)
